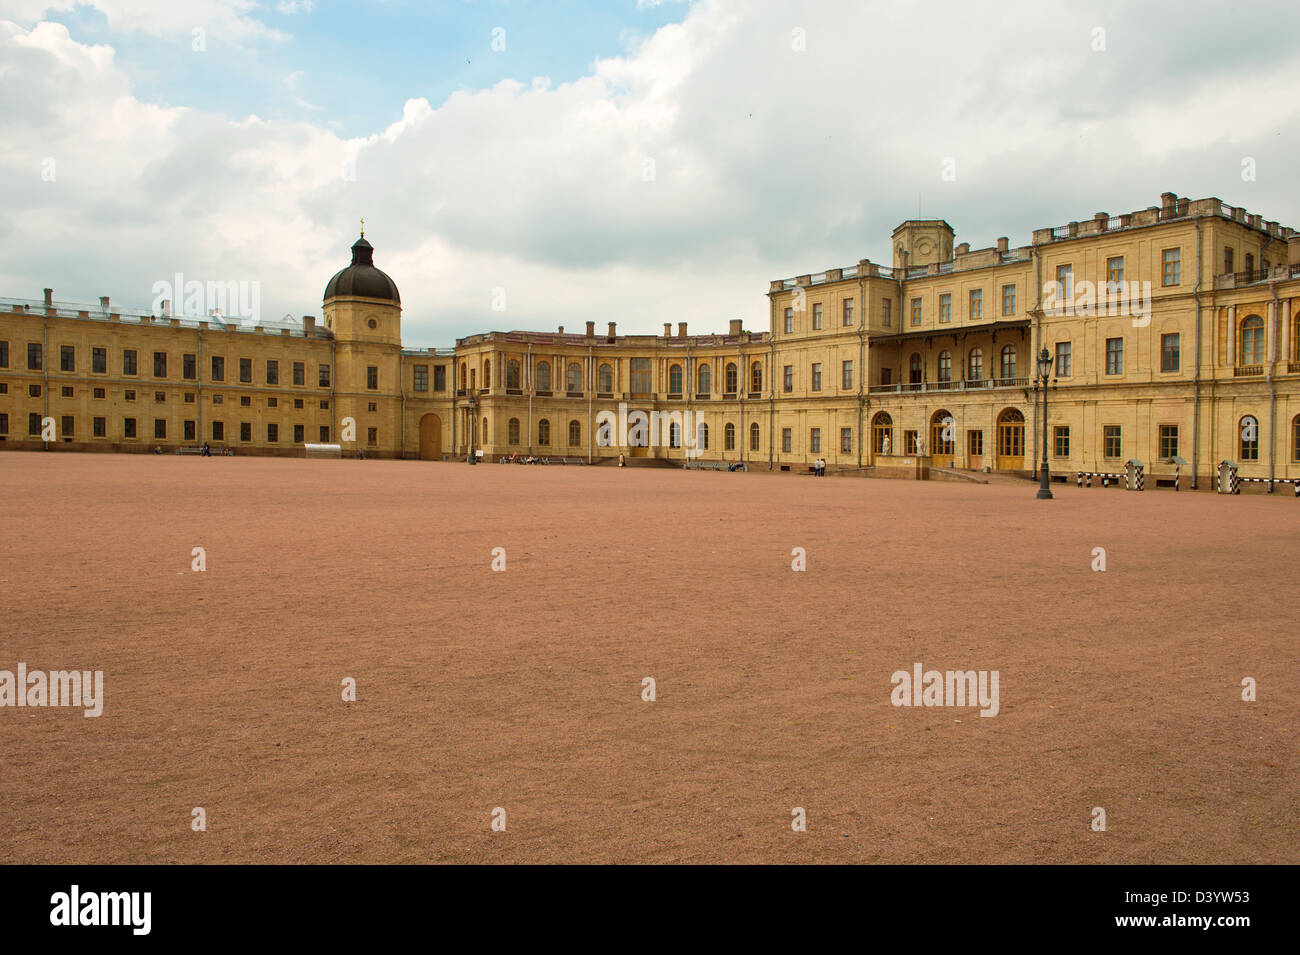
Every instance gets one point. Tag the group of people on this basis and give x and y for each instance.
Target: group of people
(819, 467)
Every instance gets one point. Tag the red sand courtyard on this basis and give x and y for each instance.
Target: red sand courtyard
(523, 689)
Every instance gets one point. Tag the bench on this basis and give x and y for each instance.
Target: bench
(189, 450)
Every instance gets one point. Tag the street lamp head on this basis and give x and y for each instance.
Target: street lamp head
(1044, 363)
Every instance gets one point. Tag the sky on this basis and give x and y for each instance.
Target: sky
(524, 165)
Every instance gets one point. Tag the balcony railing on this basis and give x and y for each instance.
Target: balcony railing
(1245, 371)
(933, 386)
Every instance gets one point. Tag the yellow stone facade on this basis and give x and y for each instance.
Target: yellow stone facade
(1175, 334)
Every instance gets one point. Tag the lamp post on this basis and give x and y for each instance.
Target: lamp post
(1044, 476)
(473, 423)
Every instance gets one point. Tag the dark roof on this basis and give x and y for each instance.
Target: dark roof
(361, 278)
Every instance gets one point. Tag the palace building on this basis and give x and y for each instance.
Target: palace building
(1174, 334)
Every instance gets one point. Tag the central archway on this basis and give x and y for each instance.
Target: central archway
(431, 438)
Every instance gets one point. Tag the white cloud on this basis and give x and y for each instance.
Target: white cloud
(230, 20)
(767, 162)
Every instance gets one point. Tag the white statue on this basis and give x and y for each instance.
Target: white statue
(884, 444)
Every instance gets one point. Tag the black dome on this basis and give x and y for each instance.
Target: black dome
(361, 278)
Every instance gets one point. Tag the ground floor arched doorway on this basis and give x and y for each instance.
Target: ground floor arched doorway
(431, 438)
(1011, 440)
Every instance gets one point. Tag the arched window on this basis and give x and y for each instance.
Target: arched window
(942, 433)
(703, 380)
(754, 433)
(756, 377)
(675, 380)
(544, 433)
(882, 433)
(1248, 444)
(512, 431)
(575, 433)
(1008, 361)
(704, 436)
(1252, 340)
(605, 379)
(732, 376)
(512, 374)
(574, 379)
(914, 368)
(975, 365)
(729, 437)
(674, 435)
(945, 366)
(543, 376)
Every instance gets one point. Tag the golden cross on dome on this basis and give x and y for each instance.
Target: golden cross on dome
(363, 228)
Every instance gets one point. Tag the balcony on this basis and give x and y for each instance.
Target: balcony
(984, 384)
(1247, 371)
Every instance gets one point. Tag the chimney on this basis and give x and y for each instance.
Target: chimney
(963, 248)
(309, 325)
(103, 301)
(561, 331)
(612, 326)
(1167, 200)
(1002, 244)
(166, 307)
(591, 329)
(681, 329)
(1100, 218)
(735, 326)
(668, 329)
(49, 298)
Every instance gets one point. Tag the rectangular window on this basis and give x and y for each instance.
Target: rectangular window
(273, 402)
(1064, 359)
(976, 304)
(846, 375)
(67, 423)
(323, 377)
(786, 439)
(245, 401)
(160, 364)
(789, 321)
(916, 311)
(887, 312)
(99, 427)
(1114, 271)
(325, 434)
(218, 431)
(1008, 300)
(1113, 445)
(816, 376)
(272, 433)
(1061, 447)
(159, 397)
(640, 377)
(67, 358)
(99, 361)
(218, 399)
(1065, 281)
(439, 377)
(128, 361)
(945, 309)
(34, 425)
(129, 394)
(297, 403)
(189, 367)
(372, 436)
(1227, 260)
(1114, 356)
(128, 427)
(421, 377)
(1168, 441)
(67, 391)
(372, 377)
(299, 373)
(846, 440)
(245, 431)
(1173, 269)
(1170, 359)
(246, 370)
(975, 443)
(817, 316)
(325, 404)
(4, 354)
(100, 393)
(272, 371)
(4, 423)
(160, 428)
(34, 391)
(218, 368)
(815, 440)
(789, 378)
(848, 312)
(1250, 261)
(34, 357)
(189, 430)
(299, 432)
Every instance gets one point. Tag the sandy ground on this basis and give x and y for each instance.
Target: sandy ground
(523, 689)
